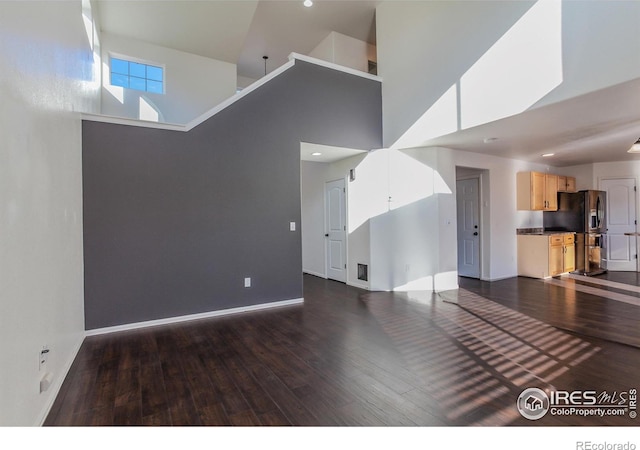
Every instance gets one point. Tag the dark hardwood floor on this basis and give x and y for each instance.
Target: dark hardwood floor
(578, 304)
(349, 357)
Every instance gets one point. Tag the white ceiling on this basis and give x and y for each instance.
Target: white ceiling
(596, 127)
(214, 29)
(238, 31)
(599, 126)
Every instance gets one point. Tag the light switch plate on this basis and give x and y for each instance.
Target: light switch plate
(292, 226)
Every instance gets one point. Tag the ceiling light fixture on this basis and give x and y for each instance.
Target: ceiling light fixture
(546, 155)
(308, 3)
(316, 154)
(489, 139)
(635, 148)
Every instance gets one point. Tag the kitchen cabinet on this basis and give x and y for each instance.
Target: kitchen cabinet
(546, 255)
(566, 184)
(537, 191)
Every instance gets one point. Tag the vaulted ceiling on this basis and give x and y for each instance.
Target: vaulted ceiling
(599, 126)
(238, 31)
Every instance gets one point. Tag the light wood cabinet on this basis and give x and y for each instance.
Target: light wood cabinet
(562, 253)
(544, 255)
(566, 184)
(569, 252)
(537, 191)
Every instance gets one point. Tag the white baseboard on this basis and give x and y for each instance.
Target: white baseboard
(499, 278)
(206, 315)
(359, 285)
(55, 391)
(315, 274)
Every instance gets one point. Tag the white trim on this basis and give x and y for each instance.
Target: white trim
(315, 274)
(58, 384)
(231, 100)
(206, 315)
(358, 285)
(500, 278)
(132, 122)
(330, 65)
(146, 62)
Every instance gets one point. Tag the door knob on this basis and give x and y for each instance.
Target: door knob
(475, 233)
(326, 235)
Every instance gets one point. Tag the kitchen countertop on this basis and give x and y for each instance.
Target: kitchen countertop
(539, 232)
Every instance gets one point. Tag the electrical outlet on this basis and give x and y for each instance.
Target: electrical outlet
(43, 357)
(45, 382)
(247, 282)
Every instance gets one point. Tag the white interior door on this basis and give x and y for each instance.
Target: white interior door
(336, 230)
(468, 214)
(620, 203)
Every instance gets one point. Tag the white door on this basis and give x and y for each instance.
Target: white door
(620, 218)
(336, 230)
(468, 215)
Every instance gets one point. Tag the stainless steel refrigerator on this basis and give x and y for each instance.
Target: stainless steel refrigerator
(582, 212)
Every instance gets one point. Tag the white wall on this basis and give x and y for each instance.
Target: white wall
(46, 72)
(601, 46)
(502, 63)
(358, 234)
(243, 82)
(193, 84)
(345, 51)
(412, 216)
(411, 244)
(583, 174)
(402, 216)
(313, 176)
(623, 169)
(500, 208)
(588, 176)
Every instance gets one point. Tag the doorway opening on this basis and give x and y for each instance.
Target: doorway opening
(472, 221)
(327, 250)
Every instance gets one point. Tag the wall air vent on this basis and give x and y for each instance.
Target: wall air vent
(363, 272)
(372, 67)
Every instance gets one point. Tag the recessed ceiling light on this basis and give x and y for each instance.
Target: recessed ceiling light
(546, 155)
(308, 3)
(490, 139)
(635, 148)
(316, 154)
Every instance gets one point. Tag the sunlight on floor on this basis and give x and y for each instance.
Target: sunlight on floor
(477, 355)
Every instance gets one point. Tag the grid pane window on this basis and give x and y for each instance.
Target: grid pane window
(137, 70)
(133, 75)
(154, 86)
(154, 73)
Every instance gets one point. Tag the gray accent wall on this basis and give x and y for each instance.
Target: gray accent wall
(174, 221)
